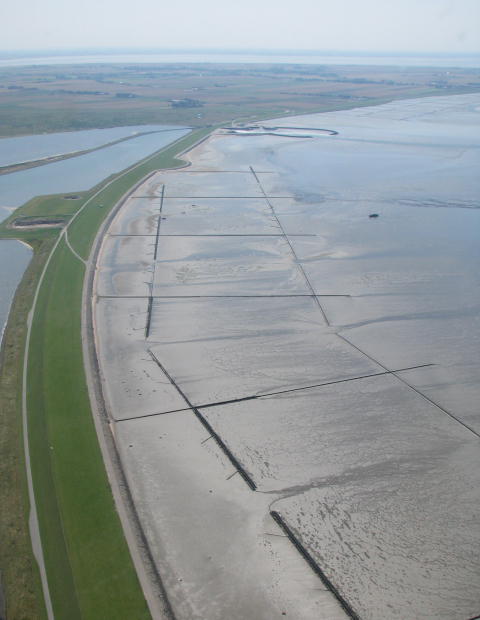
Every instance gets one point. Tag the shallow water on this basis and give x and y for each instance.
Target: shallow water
(30, 148)
(14, 258)
(76, 174)
(322, 324)
(82, 172)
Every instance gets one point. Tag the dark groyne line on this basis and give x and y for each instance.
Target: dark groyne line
(224, 171)
(149, 312)
(313, 565)
(279, 393)
(291, 248)
(243, 134)
(309, 285)
(425, 206)
(157, 237)
(330, 132)
(218, 197)
(432, 402)
(159, 223)
(213, 433)
(212, 296)
(146, 557)
(469, 428)
(219, 235)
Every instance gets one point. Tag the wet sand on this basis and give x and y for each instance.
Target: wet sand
(266, 347)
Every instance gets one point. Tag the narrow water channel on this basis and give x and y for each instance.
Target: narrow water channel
(14, 258)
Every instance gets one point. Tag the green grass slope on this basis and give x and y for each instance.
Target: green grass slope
(90, 572)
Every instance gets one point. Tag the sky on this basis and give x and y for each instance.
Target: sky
(310, 25)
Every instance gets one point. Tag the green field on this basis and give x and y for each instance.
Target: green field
(38, 99)
(15, 560)
(90, 571)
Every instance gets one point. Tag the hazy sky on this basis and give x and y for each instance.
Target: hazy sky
(353, 25)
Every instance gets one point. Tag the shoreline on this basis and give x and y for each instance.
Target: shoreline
(14, 599)
(85, 298)
(150, 579)
(147, 571)
(206, 350)
(12, 302)
(255, 529)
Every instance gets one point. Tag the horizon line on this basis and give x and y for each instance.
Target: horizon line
(149, 51)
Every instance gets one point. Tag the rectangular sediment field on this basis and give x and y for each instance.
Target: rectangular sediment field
(293, 382)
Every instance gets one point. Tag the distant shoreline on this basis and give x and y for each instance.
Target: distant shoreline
(49, 57)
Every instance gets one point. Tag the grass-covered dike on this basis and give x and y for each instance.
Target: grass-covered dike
(89, 569)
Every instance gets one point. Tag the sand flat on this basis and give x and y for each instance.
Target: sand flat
(278, 289)
(236, 347)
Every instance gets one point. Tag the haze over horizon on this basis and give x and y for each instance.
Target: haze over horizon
(368, 26)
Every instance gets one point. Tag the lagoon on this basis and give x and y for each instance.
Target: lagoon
(75, 174)
(31, 148)
(82, 172)
(14, 259)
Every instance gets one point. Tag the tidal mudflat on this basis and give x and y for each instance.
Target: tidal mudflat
(281, 368)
